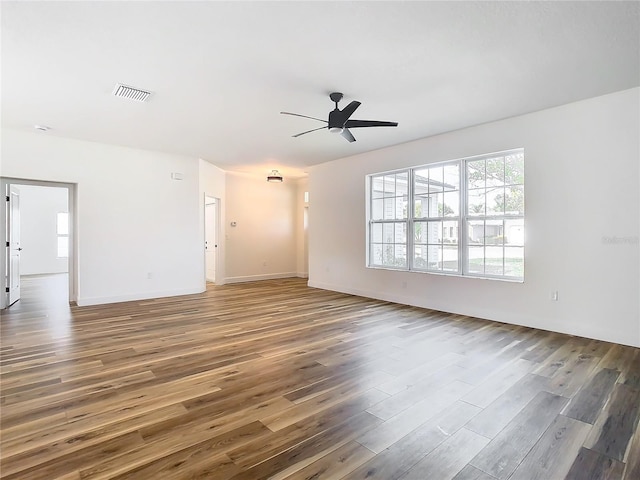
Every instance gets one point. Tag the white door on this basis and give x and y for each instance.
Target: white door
(14, 244)
(210, 242)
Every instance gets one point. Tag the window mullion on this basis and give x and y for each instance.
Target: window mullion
(410, 219)
(462, 237)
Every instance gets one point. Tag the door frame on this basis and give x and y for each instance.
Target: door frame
(216, 228)
(5, 183)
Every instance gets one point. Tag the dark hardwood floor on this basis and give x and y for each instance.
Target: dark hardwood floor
(277, 380)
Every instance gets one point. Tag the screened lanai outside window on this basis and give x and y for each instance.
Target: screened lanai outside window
(388, 224)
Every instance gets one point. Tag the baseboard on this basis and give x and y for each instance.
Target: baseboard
(86, 301)
(255, 278)
(512, 319)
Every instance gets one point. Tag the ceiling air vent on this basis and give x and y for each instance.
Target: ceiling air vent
(131, 93)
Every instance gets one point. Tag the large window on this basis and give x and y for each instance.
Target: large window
(464, 217)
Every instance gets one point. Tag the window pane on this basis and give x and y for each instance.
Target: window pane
(451, 204)
(450, 232)
(514, 262)
(435, 205)
(476, 260)
(452, 177)
(421, 206)
(420, 232)
(376, 233)
(376, 254)
(476, 202)
(377, 209)
(421, 181)
(435, 257)
(493, 232)
(514, 200)
(436, 179)
(476, 232)
(389, 208)
(388, 255)
(394, 256)
(401, 207)
(400, 233)
(430, 208)
(389, 185)
(495, 171)
(514, 231)
(63, 247)
(495, 201)
(401, 256)
(493, 261)
(402, 184)
(450, 258)
(377, 187)
(387, 232)
(434, 232)
(420, 256)
(514, 169)
(475, 174)
(62, 226)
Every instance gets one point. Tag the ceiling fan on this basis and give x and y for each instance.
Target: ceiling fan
(339, 120)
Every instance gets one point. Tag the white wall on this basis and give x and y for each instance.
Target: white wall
(213, 184)
(263, 242)
(582, 180)
(138, 230)
(39, 208)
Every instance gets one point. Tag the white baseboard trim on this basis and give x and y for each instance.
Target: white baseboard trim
(255, 278)
(86, 301)
(567, 328)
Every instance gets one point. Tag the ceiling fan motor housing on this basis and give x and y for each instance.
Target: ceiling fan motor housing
(336, 121)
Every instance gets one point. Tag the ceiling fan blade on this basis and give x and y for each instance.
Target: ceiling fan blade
(303, 116)
(348, 135)
(308, 131)
(369, 123)
(347, 111)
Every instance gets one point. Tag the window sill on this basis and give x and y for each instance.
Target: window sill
(448, 274)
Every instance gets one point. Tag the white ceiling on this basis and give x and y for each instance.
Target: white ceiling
(222, 71)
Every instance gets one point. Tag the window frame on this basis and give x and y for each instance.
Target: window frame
(463, 219)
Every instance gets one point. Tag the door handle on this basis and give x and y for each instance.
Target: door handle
(19, 249)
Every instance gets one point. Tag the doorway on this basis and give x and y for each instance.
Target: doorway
(211, 216)
(38, 221)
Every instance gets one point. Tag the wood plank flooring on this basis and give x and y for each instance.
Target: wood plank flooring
(277, 380)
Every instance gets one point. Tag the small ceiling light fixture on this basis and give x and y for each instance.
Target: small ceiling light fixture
(274, 176)
(42, 128)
